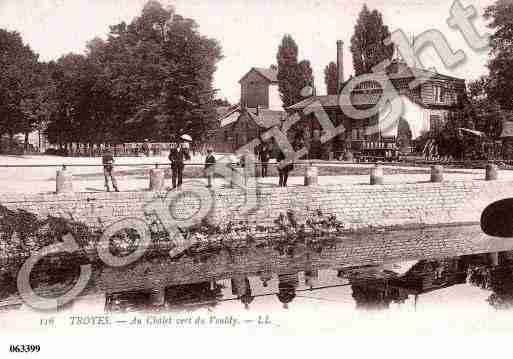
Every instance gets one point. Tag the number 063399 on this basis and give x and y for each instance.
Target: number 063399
(24, 349)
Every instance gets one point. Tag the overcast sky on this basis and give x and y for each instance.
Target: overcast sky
(248, 30)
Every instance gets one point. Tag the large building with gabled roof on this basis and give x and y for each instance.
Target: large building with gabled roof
(428, 98)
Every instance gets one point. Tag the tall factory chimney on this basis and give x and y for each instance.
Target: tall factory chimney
(340, 65)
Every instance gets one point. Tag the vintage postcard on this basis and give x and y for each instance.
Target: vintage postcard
(309, 176)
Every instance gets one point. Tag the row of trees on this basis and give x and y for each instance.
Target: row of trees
(151, 78)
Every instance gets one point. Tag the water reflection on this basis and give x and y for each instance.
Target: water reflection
(382, 286)
(372, 287)
(287, 285)
(192, 296)
(242, 289)
(495, 275)
(369, 287)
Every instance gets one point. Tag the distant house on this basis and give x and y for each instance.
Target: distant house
(259, 88)
(242, 124)
(260, 108)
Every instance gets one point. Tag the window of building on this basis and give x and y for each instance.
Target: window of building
(358, 133)
(439, 94)
(436, 122)
(354, 134)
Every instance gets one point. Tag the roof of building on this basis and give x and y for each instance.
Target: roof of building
(395, 71)
(399, 70)
(357, 99)
(229, 117)
(270, 74)
(264, 119)
(335, 101)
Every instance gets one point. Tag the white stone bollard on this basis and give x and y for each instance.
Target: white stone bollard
(237, 176)
(437, 174)
(492, 172)
(156, 179)
(311, 176)
(376, 175)
(64, 181)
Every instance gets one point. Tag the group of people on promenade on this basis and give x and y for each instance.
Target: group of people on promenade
(179, 153)
(263, 154)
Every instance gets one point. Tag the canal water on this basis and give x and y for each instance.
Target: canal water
(482, 280)
(431, 279)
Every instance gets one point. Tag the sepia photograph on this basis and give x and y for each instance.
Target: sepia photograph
(250, 178)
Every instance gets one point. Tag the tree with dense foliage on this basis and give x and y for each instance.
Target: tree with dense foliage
(41, 102)
(476, 111)
(487, 111)
(404, 135)
(293, 76)
(79, 108)
(500, 82)
(367, 44)
(306, 78)
(331, 78)
(19, 77)
(151, 78)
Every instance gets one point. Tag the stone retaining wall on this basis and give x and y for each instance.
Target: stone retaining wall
(356, 206)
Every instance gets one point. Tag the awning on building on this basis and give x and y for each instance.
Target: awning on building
(416, 116)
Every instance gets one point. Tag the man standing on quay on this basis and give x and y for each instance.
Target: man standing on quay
(264, 159)
(178, 155)
(108, 162)
(210, 162)
(283, 171)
